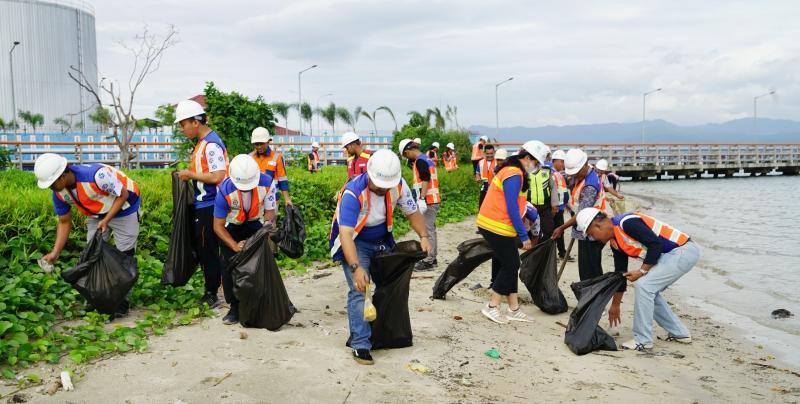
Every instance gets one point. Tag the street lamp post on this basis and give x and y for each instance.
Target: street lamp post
(644, 102)
(319, 127)
(11, 69)
(497, 108)
(300, 97)
(755, 110)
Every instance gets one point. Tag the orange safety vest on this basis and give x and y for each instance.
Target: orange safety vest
(450, 161)
(238, 215)
(313, 161)
(561, 186)
(599, 203)
(272, 161)
(200, 161)
(91, 200)
(487, 169)
(433, 195)
(365, 200)
(627, 244)
(493, 215)
(477, 152)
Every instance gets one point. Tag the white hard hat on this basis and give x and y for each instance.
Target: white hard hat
(451, 146)
(315, 144)
(435, 144)
(383, 168)
(484, 138)
(418, 140)
(585, 218)
(602, 164)
(574, 161)
(559, 155)
(348, 138)
(244, 172)
(48, 168)
(537, 149)
(501, 154)
(260, 135)
(403, 144)
(188, 109)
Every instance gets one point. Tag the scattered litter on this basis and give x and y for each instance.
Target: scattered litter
(476, 286)
(242, 334)
(465, 382)
(417, 367)
(53, 388)
(66, 381)
(493, 353)
(370, 313)
(48, 268)
(18, 398)
(463, 364)
(458, 318)
(421, 309)
(321, 275)
(776, 314)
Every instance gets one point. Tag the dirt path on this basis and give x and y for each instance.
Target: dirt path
(307, 361)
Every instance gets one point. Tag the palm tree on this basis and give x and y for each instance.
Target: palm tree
(32, 119)
(102, 117)
(345, 116)
(452, 115)
(371, 118)
(307, 115)
(282, 110)
(416, 119)
(388, 111)
(63, 123)
(2, 124)
(356, 115)
(436, 114)
(329, 115)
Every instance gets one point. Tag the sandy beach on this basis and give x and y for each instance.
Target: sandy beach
(307, 360)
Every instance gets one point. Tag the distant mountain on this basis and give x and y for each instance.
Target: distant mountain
(658, 131)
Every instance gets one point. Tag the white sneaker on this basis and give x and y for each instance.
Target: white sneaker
(493, 313)
(682, 340)
(635, 346)
(517, 315)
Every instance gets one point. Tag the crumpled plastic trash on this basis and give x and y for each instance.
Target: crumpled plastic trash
(66, 381)
(46, 266)
(417, 367)
(493, 353)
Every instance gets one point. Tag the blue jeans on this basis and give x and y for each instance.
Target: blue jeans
(650, 305)
(360, 330)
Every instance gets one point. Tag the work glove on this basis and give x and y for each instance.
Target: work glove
(422, 205)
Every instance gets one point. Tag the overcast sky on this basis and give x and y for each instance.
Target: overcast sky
(572, 62)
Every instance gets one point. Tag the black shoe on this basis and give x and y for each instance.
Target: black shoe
(210, 299)
(122, 310)
(363, 357)
(423, 266)
(233, 315)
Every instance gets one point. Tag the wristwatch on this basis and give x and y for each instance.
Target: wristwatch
(643, 272)
(353, 267)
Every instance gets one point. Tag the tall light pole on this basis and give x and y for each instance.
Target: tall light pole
(319, 127)
(644, 102)
(300, 97)
(755, 110)
(497, 108)
(11, 69)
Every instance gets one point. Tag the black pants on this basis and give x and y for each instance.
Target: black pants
(475, 165)
(558, 220)
(505, 262)
(481, 198)
(238, 233)
(545, 221)
(590, 258)
(208, 248)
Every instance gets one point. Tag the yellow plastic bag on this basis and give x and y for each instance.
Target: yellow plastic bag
(370, 313)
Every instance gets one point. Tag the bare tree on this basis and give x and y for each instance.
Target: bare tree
(147, 51)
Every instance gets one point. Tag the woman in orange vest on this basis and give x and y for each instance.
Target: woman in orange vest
(477, 151)
(450, 158)
(667, 254)
(500, 223)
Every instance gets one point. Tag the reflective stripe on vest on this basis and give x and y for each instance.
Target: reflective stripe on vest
(561, 186)
(433, 195)
(487, 169)
(493, 214)
(365, 200)
(477, 152)
(599, 203)
(199, 165)
(633, 248)
(254, 212)
(272, 163)
(450, 161)
(540, 187)
(90, 200)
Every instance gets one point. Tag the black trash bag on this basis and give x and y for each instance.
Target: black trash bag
(538, 273)
(292, 235)
(471, 253)
(257, 283)
(103, 275)
(181, 262)
(391, 273)
(584, 333)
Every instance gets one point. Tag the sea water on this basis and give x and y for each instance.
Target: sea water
(748, 229)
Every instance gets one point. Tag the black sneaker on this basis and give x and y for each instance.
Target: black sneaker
(233, 315)
(423, 266)
(211, 299)
(363, 357)
(122, 310)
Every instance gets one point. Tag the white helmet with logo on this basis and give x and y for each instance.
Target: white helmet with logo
(585, 218)
(537, 149)
(48, 168)
(260, 135)
(383, 169)
(348, 138)
(188, 109)
(574, 161)
(404, 144)
(244, 172)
